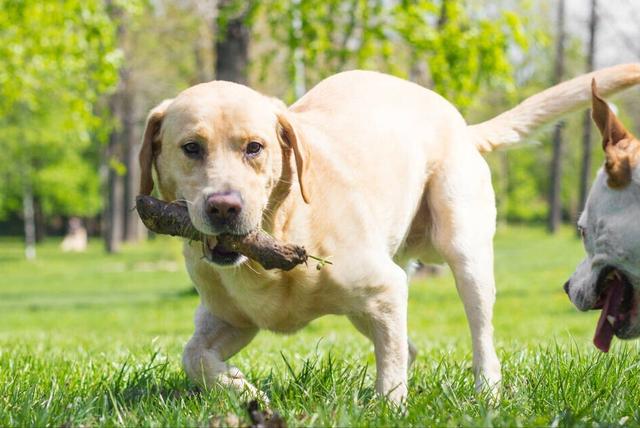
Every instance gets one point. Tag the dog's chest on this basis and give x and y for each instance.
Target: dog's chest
(271, 302)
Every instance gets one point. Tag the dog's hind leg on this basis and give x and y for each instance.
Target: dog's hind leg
(463, 208)
(213, 342)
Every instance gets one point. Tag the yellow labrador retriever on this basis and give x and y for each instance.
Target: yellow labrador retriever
(366, 169)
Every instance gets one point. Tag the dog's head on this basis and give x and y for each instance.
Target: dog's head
(609, 277)
(224, 150)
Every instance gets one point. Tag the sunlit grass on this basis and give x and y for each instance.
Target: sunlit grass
(94, 339)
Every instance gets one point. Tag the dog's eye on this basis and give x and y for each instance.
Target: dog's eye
(192, 150)
(253, 148)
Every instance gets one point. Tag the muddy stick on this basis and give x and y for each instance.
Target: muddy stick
(168, 218)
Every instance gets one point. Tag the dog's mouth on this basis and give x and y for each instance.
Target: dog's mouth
(217, 254)
(617, 304)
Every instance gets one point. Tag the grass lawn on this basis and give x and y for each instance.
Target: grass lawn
(93, 339)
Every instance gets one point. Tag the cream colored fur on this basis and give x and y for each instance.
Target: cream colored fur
(391, 171)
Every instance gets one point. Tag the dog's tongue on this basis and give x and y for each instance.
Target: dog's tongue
(611, 308)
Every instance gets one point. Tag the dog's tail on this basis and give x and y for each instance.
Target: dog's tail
(516, 124)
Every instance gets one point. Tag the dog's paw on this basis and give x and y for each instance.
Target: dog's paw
(236, 380)
(488, 383)
(396, 395)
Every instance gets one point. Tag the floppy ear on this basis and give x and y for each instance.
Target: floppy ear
(151, 146)
(300, 152)
(618, 144)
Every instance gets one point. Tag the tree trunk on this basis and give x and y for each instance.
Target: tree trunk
(232, 48)
(129, 141)
(40, 221)
(444, 14)
(29, 222)
(555, 203)
(113, 217)
(587, 146)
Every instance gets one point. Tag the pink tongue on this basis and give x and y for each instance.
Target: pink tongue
(604, 330)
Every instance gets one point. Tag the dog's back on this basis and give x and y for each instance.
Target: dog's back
(382, 133)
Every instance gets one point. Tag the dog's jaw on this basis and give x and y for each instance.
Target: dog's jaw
(218, 256)
(617, 301)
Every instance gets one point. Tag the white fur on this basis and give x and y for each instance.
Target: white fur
(611, 238)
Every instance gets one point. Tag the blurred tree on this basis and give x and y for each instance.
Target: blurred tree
(321, 38)
(121, 222)
(204, 55)
(463, 51)
(113, 214)
(556, 160)
(56, 82)
(165, 46)
(587, 146)
(57, 59)
(232, 41)
(522, 176)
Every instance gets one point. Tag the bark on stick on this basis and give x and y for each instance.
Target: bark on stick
(173, 219)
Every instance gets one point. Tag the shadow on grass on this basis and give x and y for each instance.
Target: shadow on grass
(152, 379)
(36, 302)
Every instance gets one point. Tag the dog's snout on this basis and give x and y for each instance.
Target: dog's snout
(222, 207)
(566, 287)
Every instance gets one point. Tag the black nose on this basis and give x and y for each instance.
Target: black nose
(223, 207)
(566, 287)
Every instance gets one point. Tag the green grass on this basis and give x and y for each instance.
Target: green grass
(92, 339)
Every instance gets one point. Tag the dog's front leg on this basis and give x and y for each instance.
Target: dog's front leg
(363, 325)
(213, 342)
(385, 323)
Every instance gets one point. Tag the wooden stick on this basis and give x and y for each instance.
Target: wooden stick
(173, 219)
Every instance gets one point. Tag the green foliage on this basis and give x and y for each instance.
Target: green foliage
(463, 53)
(69, 186)
(321, 38)
(57, 59)
(526, 185)
(522, 176)
(233, 9)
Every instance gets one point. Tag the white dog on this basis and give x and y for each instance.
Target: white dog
(367, 169)
(609, 277)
